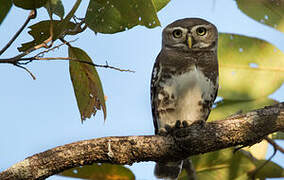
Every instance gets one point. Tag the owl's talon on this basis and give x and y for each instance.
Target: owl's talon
(200, 123)
(169, 129)
(178, 124)
(184, 123)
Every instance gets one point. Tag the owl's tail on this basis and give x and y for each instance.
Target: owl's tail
(169, 170)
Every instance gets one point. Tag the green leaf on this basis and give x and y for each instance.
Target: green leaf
(223, 163)
(4, 9)
(265, 11)
(29, 4)
(100, 172)
(56, 7)
(278, 135)
(115, 16)
(41, 31)
(160, 4)
(227, 108)
(87, 84)
(270, 170)
(246, 64)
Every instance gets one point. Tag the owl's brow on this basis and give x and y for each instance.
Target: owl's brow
(176, 28)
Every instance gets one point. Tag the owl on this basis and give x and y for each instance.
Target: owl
(184, 81)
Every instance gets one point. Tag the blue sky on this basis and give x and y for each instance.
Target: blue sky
(39, 115)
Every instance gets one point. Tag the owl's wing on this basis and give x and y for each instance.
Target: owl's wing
(156, 72)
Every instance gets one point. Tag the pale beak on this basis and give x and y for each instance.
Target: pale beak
(189, 42)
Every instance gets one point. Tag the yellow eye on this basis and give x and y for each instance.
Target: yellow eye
(177, 33)
(201, 31)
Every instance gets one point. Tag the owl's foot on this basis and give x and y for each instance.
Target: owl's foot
(184, 124)
(200, 123)
(181, 124)
(162, 132)
(178, 125)
(169, 129)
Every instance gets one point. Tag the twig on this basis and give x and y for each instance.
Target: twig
(78, 60)
(262, 165)
(17, 58)
(65, 42)
(273, 143)
(32, 15)
(34, 78)
(55, 47)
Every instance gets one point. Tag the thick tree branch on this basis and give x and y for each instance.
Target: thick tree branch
(242, 129)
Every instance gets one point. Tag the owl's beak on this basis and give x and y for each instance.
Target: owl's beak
(189, 42)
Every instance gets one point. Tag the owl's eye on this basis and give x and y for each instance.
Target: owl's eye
(177, 33)
(201, 31)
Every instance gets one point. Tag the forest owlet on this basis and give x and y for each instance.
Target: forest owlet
(184, 81)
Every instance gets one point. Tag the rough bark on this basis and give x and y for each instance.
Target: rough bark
(243, 129)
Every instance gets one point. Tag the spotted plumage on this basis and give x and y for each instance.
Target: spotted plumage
(184, 81)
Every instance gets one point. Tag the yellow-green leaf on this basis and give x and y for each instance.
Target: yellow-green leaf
(41, 31)
(270, 170)
(4, 8)
(114, 16)
(160, 4)
(227, 108)
(100, 172)
(269, 12)
(86, 83)
(250, 68)
(223, 163)
(278, 135)
(29, 4)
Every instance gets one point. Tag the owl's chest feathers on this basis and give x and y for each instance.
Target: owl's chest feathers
(185, 96)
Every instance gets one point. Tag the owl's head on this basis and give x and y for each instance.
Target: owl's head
(190, 34)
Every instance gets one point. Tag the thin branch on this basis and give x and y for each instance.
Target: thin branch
(65, 42)
(243, 129)
(26, 69)
(274, 144)
(79, 60)
(17, 58)
(262, 165)
(32, 15)
(55, 47)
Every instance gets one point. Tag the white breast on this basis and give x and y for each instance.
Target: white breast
(187, 90)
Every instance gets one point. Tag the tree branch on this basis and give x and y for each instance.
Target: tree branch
(241, 129)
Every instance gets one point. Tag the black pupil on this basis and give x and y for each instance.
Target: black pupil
(201, 31)
(177, 33)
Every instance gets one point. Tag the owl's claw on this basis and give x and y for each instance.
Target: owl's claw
(185, 123)
(169, 129)
(178, 124)
(181, 124)
(200, 123)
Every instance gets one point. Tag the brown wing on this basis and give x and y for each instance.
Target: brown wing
(154, 81)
